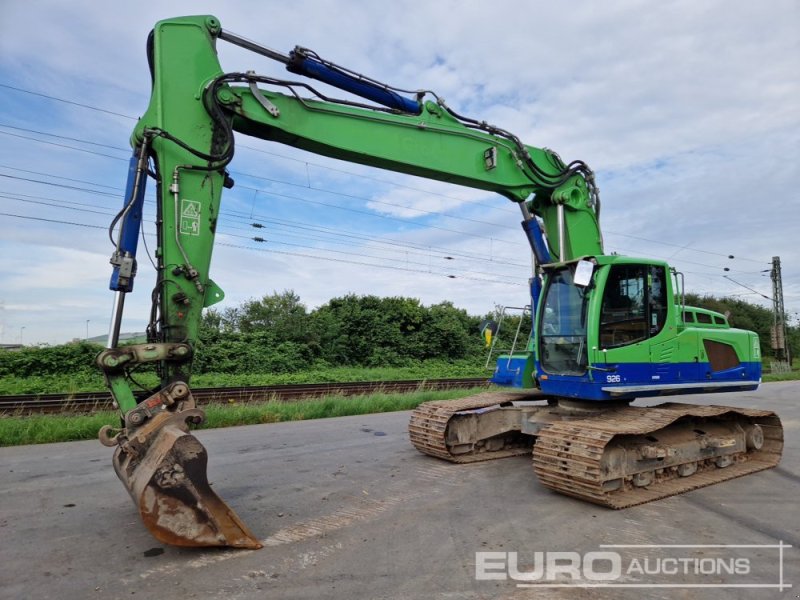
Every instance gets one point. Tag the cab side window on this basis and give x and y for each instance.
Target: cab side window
(634, 305)
(657, 298)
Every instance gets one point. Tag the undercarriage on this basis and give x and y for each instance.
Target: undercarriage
(614, 455)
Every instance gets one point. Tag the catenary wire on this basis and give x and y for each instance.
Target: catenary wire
(102, 110)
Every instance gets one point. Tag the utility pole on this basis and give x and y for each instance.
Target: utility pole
(780, 349)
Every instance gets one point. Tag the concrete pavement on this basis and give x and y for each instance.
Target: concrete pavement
(348, 509)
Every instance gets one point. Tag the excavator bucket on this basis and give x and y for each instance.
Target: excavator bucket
(163, 468)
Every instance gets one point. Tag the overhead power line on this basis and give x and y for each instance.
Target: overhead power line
(56, 204)
(427, 249)
(367, 199)
(110, 187)
(491, 205)
(402, 246)
(65, 101)
(287, 253)
(681, 246)
(103, 110)
(64, 137)
(440, 254)
(242, 217)
(65, 146)
(132, 118)
(60, 185)
(283, 182)
(308, 201)
(365, 264)
(361, 254)
(53, 221)
(747, 287)
(82, 207)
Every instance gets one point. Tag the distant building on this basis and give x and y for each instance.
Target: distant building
(11, 346)
(139, 337)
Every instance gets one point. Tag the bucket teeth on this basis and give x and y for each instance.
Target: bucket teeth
(163, 468)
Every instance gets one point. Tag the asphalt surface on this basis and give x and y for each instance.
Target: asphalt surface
(348, 509)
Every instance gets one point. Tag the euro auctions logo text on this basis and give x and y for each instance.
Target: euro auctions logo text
(548, 566)
(596, 566)
(641, 566)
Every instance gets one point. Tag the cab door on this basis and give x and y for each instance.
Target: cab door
(633, 311)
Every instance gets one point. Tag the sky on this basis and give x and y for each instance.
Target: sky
(687, 111)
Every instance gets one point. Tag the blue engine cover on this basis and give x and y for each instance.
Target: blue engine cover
(641, 380)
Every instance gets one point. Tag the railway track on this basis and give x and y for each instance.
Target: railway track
(81, 402)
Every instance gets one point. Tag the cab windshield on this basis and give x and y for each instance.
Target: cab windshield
(563, 326)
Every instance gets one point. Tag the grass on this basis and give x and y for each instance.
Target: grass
(93, 382)
(43, 429)
(790, 376)
(432, 369)
(40, 429)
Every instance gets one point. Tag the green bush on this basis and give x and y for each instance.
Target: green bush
(277, 337)
(66, 359)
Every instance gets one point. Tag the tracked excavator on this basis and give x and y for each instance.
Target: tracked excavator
(606, 329)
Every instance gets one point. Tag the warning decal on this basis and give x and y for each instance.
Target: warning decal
(190, 217)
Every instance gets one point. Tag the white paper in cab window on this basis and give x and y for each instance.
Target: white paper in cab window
(583, 273)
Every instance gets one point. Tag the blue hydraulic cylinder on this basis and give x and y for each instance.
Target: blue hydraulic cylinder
(536, 240)
(536, 292)
(303, 65)
(124, 258)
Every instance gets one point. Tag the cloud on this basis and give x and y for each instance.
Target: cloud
(421, 202)
(687, 112)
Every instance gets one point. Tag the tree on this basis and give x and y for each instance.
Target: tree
(282, 314)
(451, 333)
(373, 331)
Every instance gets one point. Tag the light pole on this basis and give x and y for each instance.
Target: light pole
(21, 329)
(87, 329)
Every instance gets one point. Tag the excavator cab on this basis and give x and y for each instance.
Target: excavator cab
(619, 330)
(623, 335)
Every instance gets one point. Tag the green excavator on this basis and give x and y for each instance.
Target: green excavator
(606, 329)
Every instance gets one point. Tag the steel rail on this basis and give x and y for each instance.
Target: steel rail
(81, 402)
